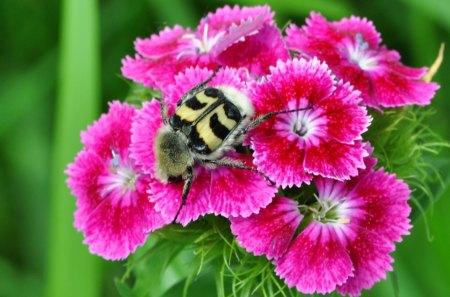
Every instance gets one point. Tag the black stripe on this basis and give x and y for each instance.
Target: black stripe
(232, 111)
(197, 144)
(177, 123)
(218, 129)
(212, 92)
(194, 104)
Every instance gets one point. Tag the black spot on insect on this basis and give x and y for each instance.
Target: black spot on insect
(212, 92)
(198, 144)
(194, 104)
(216, 126)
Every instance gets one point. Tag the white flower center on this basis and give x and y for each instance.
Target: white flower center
(359, 53)
(327, 211)
(205, 44)
(121, 176)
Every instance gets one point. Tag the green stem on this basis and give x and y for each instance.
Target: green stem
(71, 270)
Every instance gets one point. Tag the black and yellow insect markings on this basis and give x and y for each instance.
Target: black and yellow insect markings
(214, 128)
(196, 106)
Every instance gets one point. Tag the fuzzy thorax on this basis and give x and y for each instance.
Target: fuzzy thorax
(172, 154)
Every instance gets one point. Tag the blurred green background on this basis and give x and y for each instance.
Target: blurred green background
(60, 64)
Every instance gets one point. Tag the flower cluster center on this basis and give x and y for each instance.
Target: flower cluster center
(359, 53)
(121, 176)
(325, 211)
(205, 43)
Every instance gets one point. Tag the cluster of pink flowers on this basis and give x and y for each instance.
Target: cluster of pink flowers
(341, 239)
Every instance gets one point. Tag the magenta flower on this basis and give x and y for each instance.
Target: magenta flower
(113, 210)
(223, 191)
(352, 49)
(235, 37)
(324, 140)
(349, 234)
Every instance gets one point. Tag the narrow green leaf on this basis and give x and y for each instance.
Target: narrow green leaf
(123, 289)
(72, 271)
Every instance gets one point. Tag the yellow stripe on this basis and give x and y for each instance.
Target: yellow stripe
(207, 134)
(190, 115)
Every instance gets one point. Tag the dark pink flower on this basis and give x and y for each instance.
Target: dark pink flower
(349, 234)
(113, 210)
(223, 191)
(235, 37)
(352, 49)
(323, 140)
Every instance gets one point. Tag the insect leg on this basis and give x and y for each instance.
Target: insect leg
(164, 110)
(262, 118)
(239, 165)
(186, 188)
(200, 87)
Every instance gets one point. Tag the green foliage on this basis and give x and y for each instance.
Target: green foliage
(404, 145)
(193, 254)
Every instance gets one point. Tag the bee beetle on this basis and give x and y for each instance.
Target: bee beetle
(207, 123)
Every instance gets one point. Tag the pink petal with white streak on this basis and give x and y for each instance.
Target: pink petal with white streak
(280, 158)
(335, 160)
(168, 42)
(271, 230)
(257, 52)
(144, 130)
(239, 192)
(167, 197)
(225, 17)
(316, 262)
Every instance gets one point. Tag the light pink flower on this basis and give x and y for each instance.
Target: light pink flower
(235, 37)
(223, 191)
(349, 234)
(113, 211)
(323, 140)
(352, 49)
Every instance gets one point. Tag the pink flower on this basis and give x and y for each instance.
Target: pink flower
(323, 140)
(223, 191)
(113, 211)
(235, 37)
(345, 239)
(352, 49)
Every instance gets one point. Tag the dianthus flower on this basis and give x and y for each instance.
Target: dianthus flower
(351, 47)
(341, 241)
(113, 210)
(322, 140)
(235, 37)
(223, 191)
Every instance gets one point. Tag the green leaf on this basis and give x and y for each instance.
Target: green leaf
(123, 289)
(71, 270)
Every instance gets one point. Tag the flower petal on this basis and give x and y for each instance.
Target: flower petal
(257, 52)
(316, 262)
(144, 130)
(239, 192)
(335, 160)
(115, 229)
(345, 119)
(83, 183)
(280, 158)
(169, 41)
(271, 230)
(167, 197)
(111, 131)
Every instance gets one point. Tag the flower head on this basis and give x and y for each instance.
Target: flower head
(352, 49)
(345, 236)
(113, 211)
(236, 37)
(220, 190)
(323, 140)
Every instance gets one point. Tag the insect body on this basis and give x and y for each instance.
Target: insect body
(208, 122)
